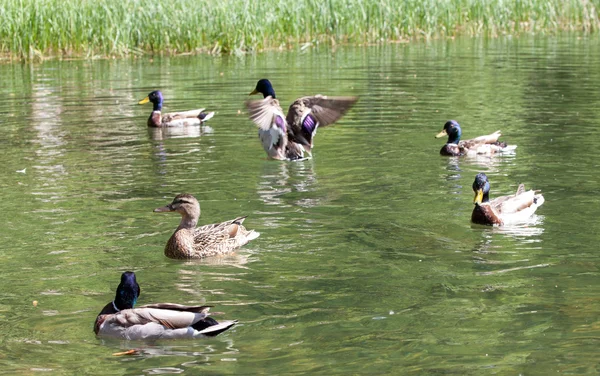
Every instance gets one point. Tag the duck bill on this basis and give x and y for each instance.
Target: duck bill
(144, 101)
(163, 209)
(253, 92)
(478, 196)
(441, 134)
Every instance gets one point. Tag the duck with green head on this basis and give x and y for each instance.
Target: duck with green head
(173, 119)
(288, 137)
(119, 318)
(503, 210)
(482, 145)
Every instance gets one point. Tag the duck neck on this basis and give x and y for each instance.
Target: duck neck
(454, 137)
(157, 106)
(486, 197)
(189, 220)
(125, 299)
(270, 92)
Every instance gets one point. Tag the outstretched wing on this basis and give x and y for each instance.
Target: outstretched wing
(324, 110)
(306, 114)
(266, 113)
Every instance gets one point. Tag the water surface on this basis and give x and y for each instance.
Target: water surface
(367, 261)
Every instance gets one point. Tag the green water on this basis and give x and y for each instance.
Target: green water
(367, 262)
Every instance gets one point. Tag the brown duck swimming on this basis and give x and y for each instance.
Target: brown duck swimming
(503, 210)
(189, 241)
(173, 119)
(482, 145)
(287, 137)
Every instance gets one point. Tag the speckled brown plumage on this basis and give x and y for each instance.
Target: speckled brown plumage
(189, 241)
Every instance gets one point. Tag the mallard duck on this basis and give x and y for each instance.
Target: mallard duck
(503, 210)
(173, 119)
(487, 144)
(287, 137)
(119, 319)
(189, 241)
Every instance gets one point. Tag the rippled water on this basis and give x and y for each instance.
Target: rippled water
(367, 262)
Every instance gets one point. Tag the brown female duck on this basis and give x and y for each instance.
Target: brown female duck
(189, 241)
(503, 210)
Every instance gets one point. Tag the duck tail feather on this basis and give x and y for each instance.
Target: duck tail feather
(538, 200)
(212, 327)
(252, 235)
(205, 116)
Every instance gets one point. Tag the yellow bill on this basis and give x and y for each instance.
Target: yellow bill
(441, 134)
(478, 196)
(144, 101)
(253, 92)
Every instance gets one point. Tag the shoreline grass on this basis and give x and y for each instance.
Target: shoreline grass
(31, 29)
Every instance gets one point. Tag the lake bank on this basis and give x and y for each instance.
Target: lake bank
(35, 30)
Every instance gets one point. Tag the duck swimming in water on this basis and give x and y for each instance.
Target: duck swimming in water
(482, 145)
(189, 241)
(503, 210)
(119, 318)
(173, 119)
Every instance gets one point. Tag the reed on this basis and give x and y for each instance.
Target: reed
(85, 28)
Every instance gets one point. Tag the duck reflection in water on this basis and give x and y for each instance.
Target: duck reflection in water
(163, 133)
(454, 166)
(279, 180)
(495, 254)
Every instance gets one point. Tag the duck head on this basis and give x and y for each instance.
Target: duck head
(127, 293)
(481, 187)
(155, 98)
(186, 205)
(265, 88)
(452, 130)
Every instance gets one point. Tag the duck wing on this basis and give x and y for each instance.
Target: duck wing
(183, 114)
(481, 140)
(178, 307)
(182, 118)
(518, 207)
(512, 203)
(222, 237)
(266, 113)
(272, 127)
(517, 202)
(169, 318)
(230, 227)
(306, 114)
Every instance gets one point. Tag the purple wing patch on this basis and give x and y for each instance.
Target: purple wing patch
(280, 122)
(309, 124)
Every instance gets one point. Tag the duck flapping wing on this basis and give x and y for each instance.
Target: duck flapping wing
(266, 113)
(326, 110)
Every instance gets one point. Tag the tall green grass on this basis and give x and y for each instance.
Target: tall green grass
(30, 28)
